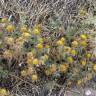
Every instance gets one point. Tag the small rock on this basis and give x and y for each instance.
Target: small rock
(88, 92)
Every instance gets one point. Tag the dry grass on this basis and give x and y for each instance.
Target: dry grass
(41, 10)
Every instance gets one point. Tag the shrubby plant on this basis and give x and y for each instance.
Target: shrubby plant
(47, 52)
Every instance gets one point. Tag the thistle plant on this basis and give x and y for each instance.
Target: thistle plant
(49, 49)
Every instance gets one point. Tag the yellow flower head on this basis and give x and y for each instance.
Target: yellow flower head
(83, 63)
(10, 28)
(79, 82)
(3, 92)
(23, 73)
(60, 43)
(67, 49)
(74, 43)
(83, 43)
(39, 46)
(29, 55)
(73, 52)
(4, 20)
(63, 68)
(7, 54)
(34, 77)
(9, 40)
(40, 40)
(82, 12)
(63, 39)
(47, 46)
(36, 32)
(45, 57)
(83, 36)
(19, 39)
(88, 55)
(29, 61)
(69, 59)
(53, 68)
(25, 35)
(23, 29)
(35, 61)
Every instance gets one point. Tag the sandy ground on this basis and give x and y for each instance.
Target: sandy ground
(81, 92)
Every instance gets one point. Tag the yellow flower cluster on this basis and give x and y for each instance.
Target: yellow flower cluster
(10, 28)
(7, 54)
(35, 51)
(3, 92)
(63, 68)
(61, 41)
(37, 30)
